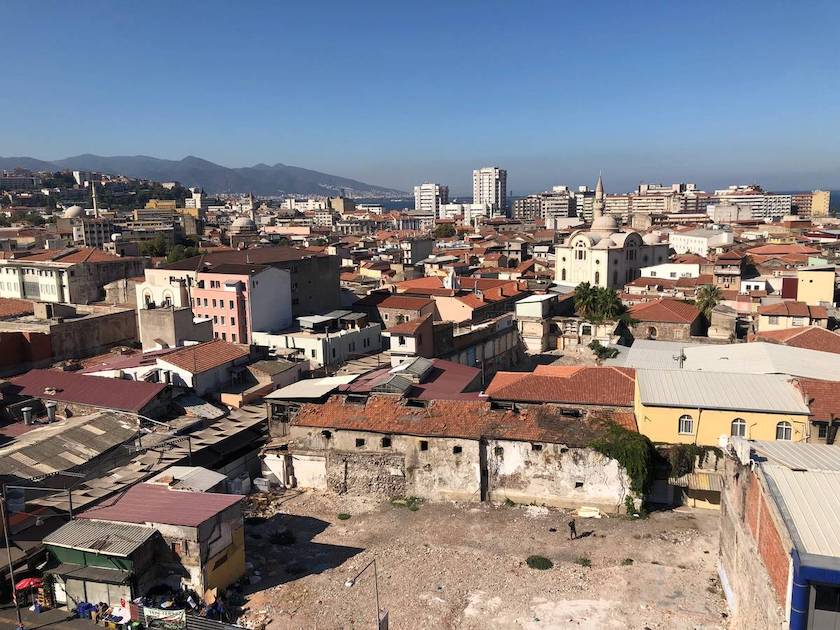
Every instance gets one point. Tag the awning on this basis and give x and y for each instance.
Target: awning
(30, 582)
(91, 574)
(709, 481)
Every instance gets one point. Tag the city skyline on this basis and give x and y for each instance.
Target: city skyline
(334, 89)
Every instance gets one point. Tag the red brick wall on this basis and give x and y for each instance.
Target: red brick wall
(773, 554)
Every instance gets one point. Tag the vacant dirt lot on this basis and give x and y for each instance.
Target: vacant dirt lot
(463, 566)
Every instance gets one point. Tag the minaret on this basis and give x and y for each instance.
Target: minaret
(95, 205)
(598, 203)
(253, 211)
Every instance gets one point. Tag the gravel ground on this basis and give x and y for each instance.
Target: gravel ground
(463, 566)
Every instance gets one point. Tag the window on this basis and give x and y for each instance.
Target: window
(214, 303)
(232, 321)
(498, 451)
(739, 428)
(774, 319)
(822, 431)
(385, 317)
(597, 277)
(686, 425)
(401, 340)
(784, 431)
(563, 274)
(222, 319)
(386, 442)
(233, 337)
(536, 447)
(231, 303)
(456, 450)
(424, 445)
(360, 442)
(215, 319)
(224, 336)
(312, 353)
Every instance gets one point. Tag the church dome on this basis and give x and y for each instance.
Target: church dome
(74, 212)
(605, 223)
(244, 223)
(651, 239)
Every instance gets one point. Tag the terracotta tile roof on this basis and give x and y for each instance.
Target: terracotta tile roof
(410, 327)
(793, 309)
(468, 419)
(566, 384)
(72, 255)
(156, 503)
(405, 302)
(822, 397)
(699, 281)
(768, 250)
(471, 300)
(206, 356)
(808, 337)
(12, 307)
(255, 255)
(71, 387)
(427, 282)
(672, 311)
(690, 259)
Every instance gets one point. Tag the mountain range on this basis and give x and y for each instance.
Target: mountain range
(260, 179)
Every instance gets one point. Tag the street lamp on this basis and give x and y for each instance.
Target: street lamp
(381, 618)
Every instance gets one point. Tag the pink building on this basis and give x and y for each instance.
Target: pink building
(241, 298)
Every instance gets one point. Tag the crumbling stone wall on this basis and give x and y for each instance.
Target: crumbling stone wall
(367, 473)
(554, 475)
(753, 563)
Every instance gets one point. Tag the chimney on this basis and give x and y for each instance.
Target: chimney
(27, 415)
(51, 405)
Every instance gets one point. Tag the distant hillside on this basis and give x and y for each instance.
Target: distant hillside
(260, 179)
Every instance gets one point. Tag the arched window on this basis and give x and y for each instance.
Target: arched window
(597, 277)
(580, 251)
(651, 332)
(784, 431)
(562, 274)
(739, 428)
(686, 425)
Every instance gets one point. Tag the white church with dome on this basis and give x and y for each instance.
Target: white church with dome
(605, 255)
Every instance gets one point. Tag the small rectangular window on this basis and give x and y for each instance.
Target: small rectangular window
(424, 445)
(457, 450)
(360, 442)
(386, 442)
(536, 447)
(822, 430)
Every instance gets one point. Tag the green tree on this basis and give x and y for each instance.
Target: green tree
(158, 246)
(444, 230)
(179, 252)
(598, 304)
(707, 298)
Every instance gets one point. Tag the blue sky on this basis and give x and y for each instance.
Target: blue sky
(395, 93)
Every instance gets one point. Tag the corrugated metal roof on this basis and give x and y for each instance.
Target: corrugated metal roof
(104, 537)
(92, 574)
(798, 455)
(311, 387)
(741, 358)
(709, 481)
(811, 506)
(711, 390)
(189, 478)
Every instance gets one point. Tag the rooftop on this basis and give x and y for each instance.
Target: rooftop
(566, 384)
(96, 391)
(808, 337)
(206, 356)
(793, 309)
(468, 419)
(256, 255)
(767, 393)
(154, 503)
(100, 537)
(664, 310)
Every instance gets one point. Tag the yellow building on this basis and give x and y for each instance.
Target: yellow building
(161, 204)
(815, 285)
(820, 203)
(706, 408)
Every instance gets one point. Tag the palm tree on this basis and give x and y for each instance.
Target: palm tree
(586, 297)
(707, 298)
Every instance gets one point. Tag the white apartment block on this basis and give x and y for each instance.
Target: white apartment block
(490, 187)
(429, 197)
(699, 242)
(672, 271)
